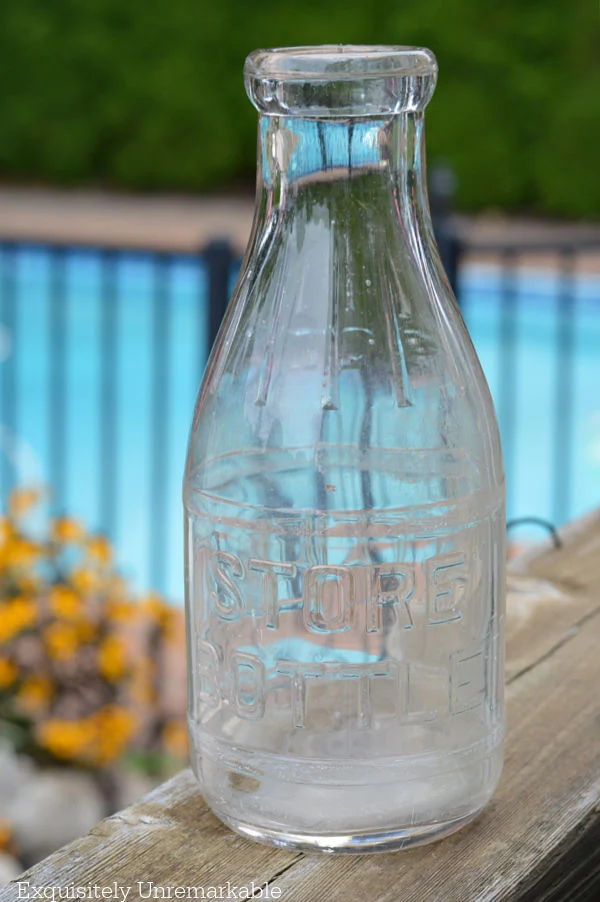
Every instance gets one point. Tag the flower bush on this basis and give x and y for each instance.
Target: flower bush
(79, 656)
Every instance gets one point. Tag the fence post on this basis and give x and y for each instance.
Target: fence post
(219, 256)
(442, 187)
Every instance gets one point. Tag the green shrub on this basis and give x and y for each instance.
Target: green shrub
(149, 95)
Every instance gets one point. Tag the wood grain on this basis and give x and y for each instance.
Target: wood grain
(537, 841)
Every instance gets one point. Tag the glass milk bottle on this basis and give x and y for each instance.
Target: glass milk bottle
(344, 490)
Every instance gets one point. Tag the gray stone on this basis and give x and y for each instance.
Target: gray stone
(9, 868)
(46, 808)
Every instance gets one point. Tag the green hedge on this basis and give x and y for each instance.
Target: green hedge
(148, 94)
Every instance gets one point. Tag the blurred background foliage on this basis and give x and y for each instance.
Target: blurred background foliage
(149, 96)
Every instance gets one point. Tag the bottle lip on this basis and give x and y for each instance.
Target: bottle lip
(340, 79)
(340, 62)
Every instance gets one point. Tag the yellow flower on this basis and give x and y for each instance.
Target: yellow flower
(115, 726)
(67, 739)
(175, 738)
(62, 640)
(24, 609)
(64, 602)
(85, 580)
(120, 611)
(16, 616)
(8, 673)
(20, 552)
(97, 739)
(22, 500)
(111, 658)
(98, 548)
(86, 630)
(66, 530)
(35, 694)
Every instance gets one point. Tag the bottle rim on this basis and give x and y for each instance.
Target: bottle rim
(340, 62)
(333, 80)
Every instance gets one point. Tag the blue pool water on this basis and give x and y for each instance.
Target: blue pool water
(530, 476)
(530, 449)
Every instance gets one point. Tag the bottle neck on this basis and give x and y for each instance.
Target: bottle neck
(370, 172)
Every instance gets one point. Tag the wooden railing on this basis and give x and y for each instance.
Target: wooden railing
(538, 840)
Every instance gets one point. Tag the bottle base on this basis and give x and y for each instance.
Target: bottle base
(347, 805)
(349, 844)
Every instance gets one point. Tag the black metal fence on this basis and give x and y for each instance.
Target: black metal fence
(156, 515)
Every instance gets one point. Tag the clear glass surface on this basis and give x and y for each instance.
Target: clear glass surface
(344, 490)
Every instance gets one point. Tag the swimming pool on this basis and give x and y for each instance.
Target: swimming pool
(529, 424)
(25, 346)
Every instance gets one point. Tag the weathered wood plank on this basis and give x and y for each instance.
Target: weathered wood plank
(550, 592)
(169, 838)
(543, 818)
(541, 615)
(576, 565)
